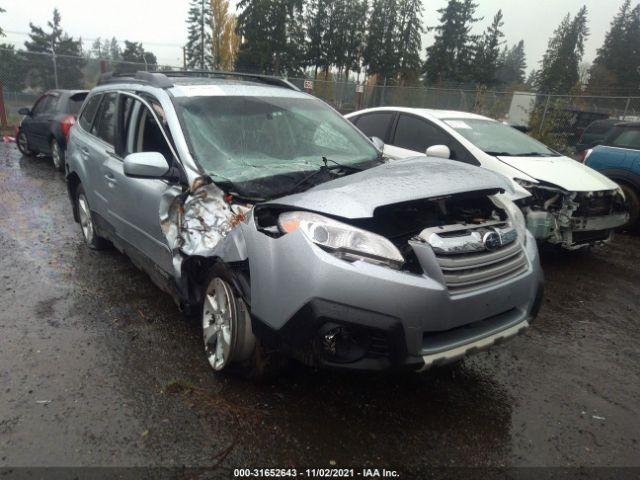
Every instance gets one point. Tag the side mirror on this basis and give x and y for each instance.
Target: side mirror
(439, 151)
(145, 165)
(379, 144)
(26, 111)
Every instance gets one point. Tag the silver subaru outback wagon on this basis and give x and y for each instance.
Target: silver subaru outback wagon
(268, 215)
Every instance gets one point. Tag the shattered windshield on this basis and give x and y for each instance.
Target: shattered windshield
(498, 139)
(264, 145)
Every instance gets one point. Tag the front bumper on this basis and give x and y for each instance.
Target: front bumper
(301, 294)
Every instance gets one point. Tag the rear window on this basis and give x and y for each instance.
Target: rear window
(624, 137)
(75, 102)
(599, 127)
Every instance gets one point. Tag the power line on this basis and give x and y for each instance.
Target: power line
(155, 44)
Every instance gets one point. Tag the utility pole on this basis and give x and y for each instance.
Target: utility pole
(55, 64)
(202, 34)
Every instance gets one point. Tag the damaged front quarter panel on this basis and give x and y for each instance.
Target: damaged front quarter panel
(201, 222)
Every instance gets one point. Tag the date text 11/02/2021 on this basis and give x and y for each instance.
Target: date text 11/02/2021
(315, 473)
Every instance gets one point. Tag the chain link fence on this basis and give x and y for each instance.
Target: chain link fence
(557, 120)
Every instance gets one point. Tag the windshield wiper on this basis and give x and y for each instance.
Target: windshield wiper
(499, 154)
(324, 168)
(527, 154)
(536, 154)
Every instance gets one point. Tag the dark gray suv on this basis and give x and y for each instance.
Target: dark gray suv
(266, 213)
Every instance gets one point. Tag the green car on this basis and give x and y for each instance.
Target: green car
(594, 135)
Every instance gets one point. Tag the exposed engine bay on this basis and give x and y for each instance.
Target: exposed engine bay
(572, 220)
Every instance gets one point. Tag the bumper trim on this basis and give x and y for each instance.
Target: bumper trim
(447, 356)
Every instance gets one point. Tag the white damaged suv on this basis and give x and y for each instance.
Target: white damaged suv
(565, 203)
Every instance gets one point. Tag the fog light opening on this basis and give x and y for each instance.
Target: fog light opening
(343, 344)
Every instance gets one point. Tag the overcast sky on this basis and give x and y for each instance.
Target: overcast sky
(161, 25)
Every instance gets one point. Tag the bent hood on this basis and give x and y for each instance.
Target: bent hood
(359, 194)
(563, 172)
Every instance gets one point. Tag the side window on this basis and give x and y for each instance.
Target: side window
(52, 104)
(375, 124)
(628, 138)
(89, 112)
(416, 134)
(41, 105)
(141, 131)
(104, 126)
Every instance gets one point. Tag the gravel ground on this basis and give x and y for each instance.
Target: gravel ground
(99, 368)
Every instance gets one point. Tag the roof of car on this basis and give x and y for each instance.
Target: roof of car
(69, 93)
(430, 112)
(628, 124)
(182, 82)
(196, 87)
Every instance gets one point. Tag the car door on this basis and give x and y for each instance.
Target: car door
(37, 124)
(98, 150)
(376, 124)
(134, 206)
(412, 136)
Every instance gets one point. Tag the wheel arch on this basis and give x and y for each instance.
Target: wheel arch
(73, 182)
(195, 273)
(623, 176)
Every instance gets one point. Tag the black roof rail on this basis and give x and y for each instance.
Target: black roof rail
(162, 79)
(155, 79)
(268, 79)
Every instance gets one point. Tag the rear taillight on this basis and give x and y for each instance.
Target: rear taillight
(66, 124)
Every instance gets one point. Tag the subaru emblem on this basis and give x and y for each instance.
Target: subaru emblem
(492, 241)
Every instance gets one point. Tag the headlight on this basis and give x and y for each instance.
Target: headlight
(524, 183)
(514, 213)
(342, 240)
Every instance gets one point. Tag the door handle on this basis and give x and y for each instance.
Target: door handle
(84, 150)
(110, 177)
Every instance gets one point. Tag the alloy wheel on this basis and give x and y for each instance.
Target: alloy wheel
(56, 155)
(85, 218)
(218, 322)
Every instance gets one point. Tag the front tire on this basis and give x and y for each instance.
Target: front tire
(23, 144)
(57, 155)
(91, 238)
(229, 343)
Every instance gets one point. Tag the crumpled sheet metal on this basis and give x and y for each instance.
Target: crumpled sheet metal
(195, 222)
(205, 221)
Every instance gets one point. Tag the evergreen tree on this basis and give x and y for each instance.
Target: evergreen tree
(97, 50)
(316, 20)
(115, 53)
(449, 58)
(380, 56)
(611, 67)
(55, 55)
(513, 65)
(134, 57)
(2, 10)
(198, 47)
(409, 43)
(13, 68)
(355, 33)
(270, 31)
(559, 66)
(486, 59)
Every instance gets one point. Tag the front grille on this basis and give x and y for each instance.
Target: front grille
(468, 272)
(595, 205)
